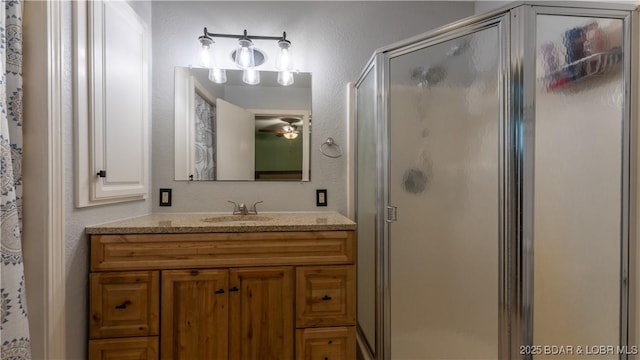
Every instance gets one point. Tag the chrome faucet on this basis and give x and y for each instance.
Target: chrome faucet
(241, 209)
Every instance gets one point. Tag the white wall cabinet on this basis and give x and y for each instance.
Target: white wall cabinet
(111, 103)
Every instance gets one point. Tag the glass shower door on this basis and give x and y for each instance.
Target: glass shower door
(444, 178)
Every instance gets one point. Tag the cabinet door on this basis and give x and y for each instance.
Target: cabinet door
(194, 318)
(261, 313)
(236, 132)
(334, 343)
(136, 348)
(325, 295)
(123, 304)
(112, 103)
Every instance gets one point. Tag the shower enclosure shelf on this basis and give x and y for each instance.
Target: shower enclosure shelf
(587, 68)
(505, 142)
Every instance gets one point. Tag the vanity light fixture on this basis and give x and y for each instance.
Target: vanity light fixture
(251, 76)
(244, 55)
(285, 78)
(247, 57)
(283, 60)
(218, 76)
(206, 51)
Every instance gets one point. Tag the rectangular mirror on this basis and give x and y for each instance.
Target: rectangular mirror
(239, 132)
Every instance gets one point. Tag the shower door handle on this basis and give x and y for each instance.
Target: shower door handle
(392, 214)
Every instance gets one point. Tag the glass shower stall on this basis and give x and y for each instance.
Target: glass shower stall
(495, 187)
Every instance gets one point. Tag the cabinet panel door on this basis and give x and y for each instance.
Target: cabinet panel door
(194, 314)
(112, 103)
(325, 295)
(123, 304)
(136, 348)
(261, 313)
(334, 343)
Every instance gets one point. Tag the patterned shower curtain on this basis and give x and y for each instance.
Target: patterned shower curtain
(14, 324)
(205, 140)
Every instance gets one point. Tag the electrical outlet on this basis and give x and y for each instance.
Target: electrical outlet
(321, 197)
(165, 197)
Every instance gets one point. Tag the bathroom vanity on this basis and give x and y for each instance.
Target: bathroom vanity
(203, 286)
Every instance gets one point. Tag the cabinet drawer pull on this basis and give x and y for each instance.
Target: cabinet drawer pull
(220, 291)
(123, 305)
(233, 289)
(326, 298)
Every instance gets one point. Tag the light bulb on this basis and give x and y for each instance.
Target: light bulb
(251, 76)
(290, 135)
(244, 54)
(206, 52)
(283, 59)
(285, 78)
(218, 76)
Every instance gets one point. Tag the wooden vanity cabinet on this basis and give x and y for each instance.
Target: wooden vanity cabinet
(240, 296)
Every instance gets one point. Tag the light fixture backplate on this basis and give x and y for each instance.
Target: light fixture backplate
(259, 56)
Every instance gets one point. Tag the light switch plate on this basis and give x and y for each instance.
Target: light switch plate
(321, 197)
(165, 197)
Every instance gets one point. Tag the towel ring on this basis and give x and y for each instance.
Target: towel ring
(330, 142)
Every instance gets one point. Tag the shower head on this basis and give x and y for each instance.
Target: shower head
(430, 76)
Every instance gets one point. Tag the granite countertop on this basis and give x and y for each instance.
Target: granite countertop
(208, 222)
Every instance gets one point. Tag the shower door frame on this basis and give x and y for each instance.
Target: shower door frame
(516, 24)
(501, 22)
(374, 67)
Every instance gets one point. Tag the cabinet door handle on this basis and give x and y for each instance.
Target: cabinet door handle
(123, 305)
(233, 289)
(326, 298)
(220, 291)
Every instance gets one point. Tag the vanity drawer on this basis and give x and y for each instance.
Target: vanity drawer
(210, 250)
(124, 304)
(138, 348)
(337, 343)
(325, 295)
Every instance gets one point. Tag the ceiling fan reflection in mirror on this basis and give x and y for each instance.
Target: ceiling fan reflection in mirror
(286, 127)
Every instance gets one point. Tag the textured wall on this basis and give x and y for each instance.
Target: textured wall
(333, 40)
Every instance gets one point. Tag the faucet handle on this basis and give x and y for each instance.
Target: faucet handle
(235, 207)
(253, 209)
